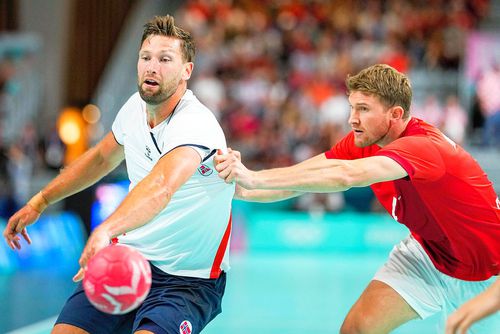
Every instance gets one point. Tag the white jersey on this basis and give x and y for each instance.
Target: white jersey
(190, 237)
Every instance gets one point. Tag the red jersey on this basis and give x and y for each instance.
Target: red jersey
(446, 201)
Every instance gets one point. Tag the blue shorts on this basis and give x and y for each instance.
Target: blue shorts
(175, 304)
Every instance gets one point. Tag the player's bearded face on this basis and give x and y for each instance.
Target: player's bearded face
(375, 134)
(369, 120)
(156, 95)
(159, 69)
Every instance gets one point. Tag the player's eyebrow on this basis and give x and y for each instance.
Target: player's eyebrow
(360, 104)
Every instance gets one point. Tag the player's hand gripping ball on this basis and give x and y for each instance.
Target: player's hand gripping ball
(117, 279)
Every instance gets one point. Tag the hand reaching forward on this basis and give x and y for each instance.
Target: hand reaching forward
(16, 225)
(231, 169)
(97, 241)
(479, 307)
(27, 215)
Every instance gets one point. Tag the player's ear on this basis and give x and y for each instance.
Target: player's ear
(188, 69)
(397, 112)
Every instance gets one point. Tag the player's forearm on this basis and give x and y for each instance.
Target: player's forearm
(312, 177)
(153, 193)
(264, 196)
(144, 202)
(494, 289)
(81, 174)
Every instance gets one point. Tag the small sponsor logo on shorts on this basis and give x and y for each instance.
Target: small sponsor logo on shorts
(205, 170)
(185, 327)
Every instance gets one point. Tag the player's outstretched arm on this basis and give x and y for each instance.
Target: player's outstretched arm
(264, 196)
(317, 174)
(144, 201)
(85, 171)
(479, 307)
(255, 195)
(89, 168)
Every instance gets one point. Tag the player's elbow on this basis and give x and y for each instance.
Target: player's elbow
(348, 178)
(342, 183)
(161, 192)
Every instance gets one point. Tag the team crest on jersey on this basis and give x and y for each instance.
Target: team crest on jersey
(205, 170)
(185, 327)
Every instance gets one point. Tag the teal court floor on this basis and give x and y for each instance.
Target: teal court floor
(291, 272)
(267, 293)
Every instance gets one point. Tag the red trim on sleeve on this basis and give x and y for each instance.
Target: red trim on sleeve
(215, 272)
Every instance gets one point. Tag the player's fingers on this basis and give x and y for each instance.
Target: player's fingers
(19, 226)
(10, 229)
(79, 275)
(222, 166)
(464, 325)
(16, 243)
(451, 324)
(230, 154)
(218, 159)
(8, 236)
(230, 177)
(237, 155)
(83, 265)
(84, 259)
(9, 242)
(26, 236)
(13, 220)
(457, 326)
(450, 328)
(223, 172)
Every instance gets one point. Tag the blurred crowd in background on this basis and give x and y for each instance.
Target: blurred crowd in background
(273, 73)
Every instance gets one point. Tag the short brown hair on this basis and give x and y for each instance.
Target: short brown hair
(165, 26)
(392, 87)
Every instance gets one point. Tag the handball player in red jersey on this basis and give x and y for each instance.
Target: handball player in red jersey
(424, 180)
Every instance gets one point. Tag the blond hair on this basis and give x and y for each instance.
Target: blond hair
(392, 87)
(165, 26)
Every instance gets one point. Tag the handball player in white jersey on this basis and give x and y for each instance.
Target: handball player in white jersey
(177, 212)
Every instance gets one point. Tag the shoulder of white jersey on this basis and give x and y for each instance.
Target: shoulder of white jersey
(133, 104)
(196, 107)
(135, 99)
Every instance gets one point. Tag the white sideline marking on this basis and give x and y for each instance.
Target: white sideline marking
(41, 327)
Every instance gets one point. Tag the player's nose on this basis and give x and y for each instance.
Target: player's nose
(353, 119)
(152, 66)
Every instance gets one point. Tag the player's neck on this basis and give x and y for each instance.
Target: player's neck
(394, 132)
(159, 113)
(400, 127)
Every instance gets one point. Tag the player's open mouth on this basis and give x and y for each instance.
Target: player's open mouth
(151, 82)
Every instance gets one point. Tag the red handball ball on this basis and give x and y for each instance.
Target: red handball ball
(117, 279)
